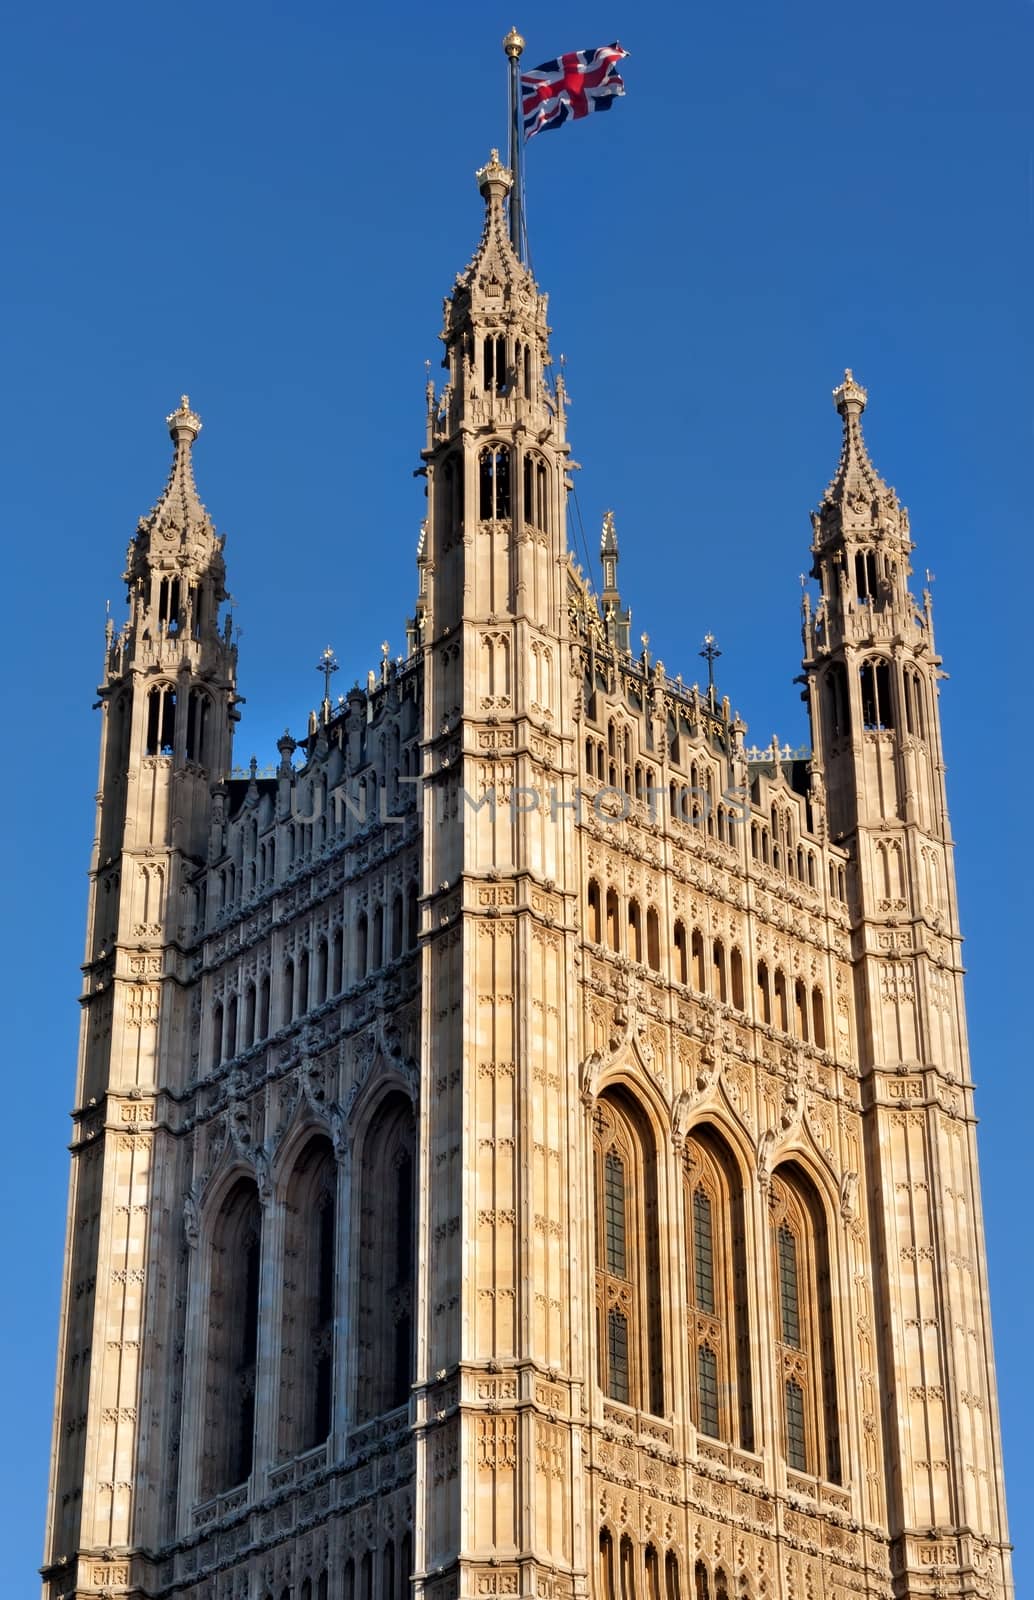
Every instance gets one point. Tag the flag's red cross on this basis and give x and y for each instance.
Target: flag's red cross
(574, 82)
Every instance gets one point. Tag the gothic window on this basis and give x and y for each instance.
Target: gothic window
(818, 1019)
(653, 1573)
(230, 1045)
(405, 1567)
(718, 970)
(701, 1583)
(322, 970)
(914, 722)
(494, 483)
(805, 1347)
(626, 1565)
(764, 997)
(595, 928)
(386, 1246)
(197, 719)
(536, 493)
(671, 1577)
(613, 921)
(302, 1003)
(306, 1362)
(169, 603)
(800, 1009)
(397, 924)
(874, 682)
(412, 916)
(288, 990)
(388, 1571)
(161, 720)
(377, 937)
(233, 1320)
(337, 959)
(249, 1016)
(606, 1566)
(782, 1007)
(865, 575)
(720, 1386)
(628, 1324)
(736, 977)
(495, 363)
(216, 1054)
(262, 1021)
(697, 956)
(635, 931)
(681, 954)
(452, 492)
(653, 939)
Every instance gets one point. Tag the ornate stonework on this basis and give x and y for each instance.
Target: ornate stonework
(524, 1142)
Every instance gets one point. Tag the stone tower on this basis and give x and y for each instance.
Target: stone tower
(524, 1138)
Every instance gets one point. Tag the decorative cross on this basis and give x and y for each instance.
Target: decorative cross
(710, 653)
(327, 664)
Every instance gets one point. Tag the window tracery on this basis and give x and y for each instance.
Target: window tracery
(805, 1347)
(628, 1328)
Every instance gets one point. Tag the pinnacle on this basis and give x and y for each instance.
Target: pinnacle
(180, 504)
(855, 474)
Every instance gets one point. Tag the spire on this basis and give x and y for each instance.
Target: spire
(617, 620)
(496, 281)
(178, 532)
(857, 501)
(180, 506)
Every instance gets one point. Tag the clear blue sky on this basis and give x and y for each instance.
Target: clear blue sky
(264, 208)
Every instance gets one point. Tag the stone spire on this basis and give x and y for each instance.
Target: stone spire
(178, 529)
(617, 619)
(857, 500)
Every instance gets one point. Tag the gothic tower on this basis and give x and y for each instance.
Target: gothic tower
(524, 1139)
(872, 676)
(168, 705)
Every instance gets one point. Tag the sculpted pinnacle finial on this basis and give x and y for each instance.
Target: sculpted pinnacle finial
(513, 44)
(849, 397)
(493, 178)
(184, 423)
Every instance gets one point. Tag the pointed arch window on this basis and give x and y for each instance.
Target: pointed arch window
(198, 705)
(495, 363)
(635, 931)
(232, 1347)
(628, 1323)
(306, 1362)
(681, 954)
(805, 1345)
(386, 1248)
(613, 923)
(914, 719)
(536, 493)
(653, 939)
(161, 720)
(877, 704)
(720, 1379)
(595, 929)
(494, 483)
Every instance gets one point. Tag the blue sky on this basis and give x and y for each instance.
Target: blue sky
(264, 209)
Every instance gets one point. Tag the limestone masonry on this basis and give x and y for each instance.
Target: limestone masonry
(524, 1146)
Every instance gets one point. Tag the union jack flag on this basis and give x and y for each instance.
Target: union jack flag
(571, 86)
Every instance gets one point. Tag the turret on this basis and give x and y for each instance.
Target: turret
(617, 619)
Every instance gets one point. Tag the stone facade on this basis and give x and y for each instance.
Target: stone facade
(524, 1144)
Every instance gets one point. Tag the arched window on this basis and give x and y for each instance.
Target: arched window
(413, 916)
(800, 1009)
(161, 720)
(361, 942)
(653, 939)
(322, 970)
(595, 928)
(386, 1246)
(697, 962)
(818, 1019)
(628, 1323)
(718, 970)
(262, 1019)
(536, 493)
(397, 924)
(865, 575)
(607, 1590)
(672, 1587)
(877, 705)
(216, 1052)
(232, 1350)
(626, 1564)
(452, 492)
(653, 1573)
(302, 1003)
(337, 959)
(495, 363)
(681, 954)
(805, 1347)
(782, 1005)
(736, 977)
(494, 483)
(197, 719)
(307, 1354)
(635, 931)
(249, 1016)
(701, 1582)
(377, 937)
(720, 1383)
(914, 719)
(288, 990)
(613, 921)
(763, 999)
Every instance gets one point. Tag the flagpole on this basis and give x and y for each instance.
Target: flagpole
(513, 44)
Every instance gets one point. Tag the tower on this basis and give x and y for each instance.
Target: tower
(873, 676)
(524, 1142)
(167, 701)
